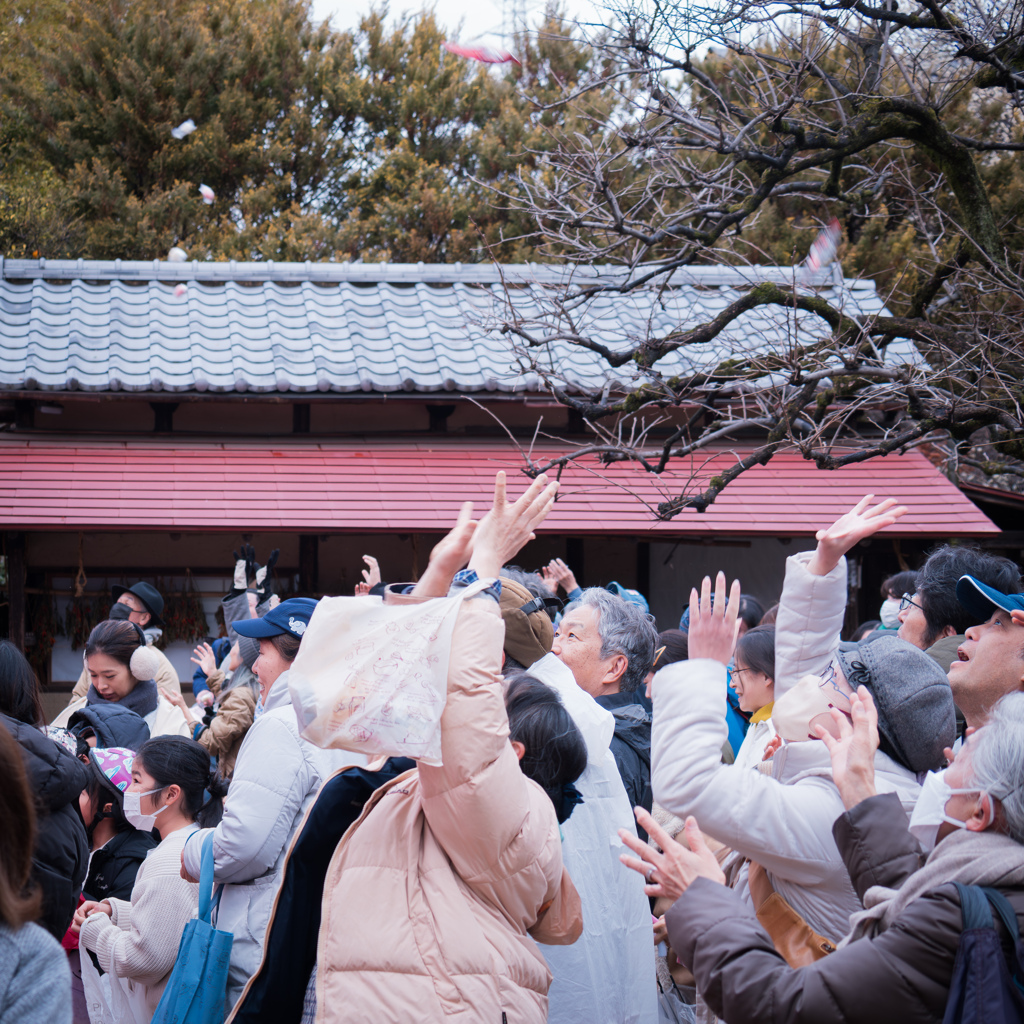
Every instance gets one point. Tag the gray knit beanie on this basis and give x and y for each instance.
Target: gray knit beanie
(916, 716)
(248, 650)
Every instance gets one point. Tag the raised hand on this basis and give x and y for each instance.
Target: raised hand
(860, 522)
(557, 574)
(507, 527)
(713, 628)
(371, 574)
(853, 753)
(671, 872)
(450, 554)
(203, 656)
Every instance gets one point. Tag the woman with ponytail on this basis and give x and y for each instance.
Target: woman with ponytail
(121, 670)
(173, 792)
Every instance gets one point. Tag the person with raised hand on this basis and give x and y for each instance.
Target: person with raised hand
(900, 959)
(433, 881)
(780, 820)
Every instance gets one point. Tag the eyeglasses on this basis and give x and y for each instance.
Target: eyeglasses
(906, 601)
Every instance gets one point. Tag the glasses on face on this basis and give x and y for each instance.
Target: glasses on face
(906, 601)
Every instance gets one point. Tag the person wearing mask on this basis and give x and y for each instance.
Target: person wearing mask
(135, 941)
(753, 680)
(61, 851)
(233, 694)
(892, 591)
(121, 668)
(931, 616)
(782, 821)
(472, 843)
(35, 982)
(898, 959)
(142, 604)
(990, 661)
(275, 778)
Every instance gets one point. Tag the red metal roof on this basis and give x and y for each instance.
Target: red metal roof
(418, 485)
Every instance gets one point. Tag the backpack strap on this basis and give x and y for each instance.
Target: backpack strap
(1002, 907)
(974, 907)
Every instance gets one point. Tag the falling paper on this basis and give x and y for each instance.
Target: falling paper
(207, 193)
(177, 255)
(179, 291)
(482, 53)
(823, 251)
(183, 129)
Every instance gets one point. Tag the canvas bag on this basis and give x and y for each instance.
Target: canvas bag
(197, 985)
(372, 677)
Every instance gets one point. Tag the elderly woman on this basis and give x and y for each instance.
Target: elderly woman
(898, 960)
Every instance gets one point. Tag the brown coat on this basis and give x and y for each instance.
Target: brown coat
(900, 976)
(223, 736)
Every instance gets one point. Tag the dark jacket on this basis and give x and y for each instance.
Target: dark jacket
(900, 976)
(631, 744)
(61, 852)
(112, 725)
(114, 866)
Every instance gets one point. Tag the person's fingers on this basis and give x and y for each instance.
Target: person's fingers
(869, 705)
(499, 489)
(718, 610)
(705, 597)
(694, 607)
(831, 743)
(732, 610)
(646, 821)
(947, 753)
(863, 504)
(636, 844)
(694, 836)
(641, 867)
(880, 509)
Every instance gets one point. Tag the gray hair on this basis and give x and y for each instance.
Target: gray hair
(996, 760)
(623, 629)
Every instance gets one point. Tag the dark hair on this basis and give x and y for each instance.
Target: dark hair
(677, 647)
(864, 629)
(287, 645)
(17, 838)
(751, 610)
(769, 617)
(100, 791)
(19, 687)
(177, 761)
(936, 585)
(757, 649)
(117, 639)
(898, 584)
(555, 752)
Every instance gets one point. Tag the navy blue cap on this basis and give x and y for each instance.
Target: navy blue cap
(291, 616)
(981, 600)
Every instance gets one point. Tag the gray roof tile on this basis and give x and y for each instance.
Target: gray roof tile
(355, 327)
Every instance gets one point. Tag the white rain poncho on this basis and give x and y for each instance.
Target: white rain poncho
(607, 975)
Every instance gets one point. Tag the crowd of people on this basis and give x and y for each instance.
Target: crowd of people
(744, 818)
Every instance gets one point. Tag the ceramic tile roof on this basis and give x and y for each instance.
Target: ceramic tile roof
(265, 327)
(416, 485)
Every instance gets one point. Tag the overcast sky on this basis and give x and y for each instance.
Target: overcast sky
(481, 20)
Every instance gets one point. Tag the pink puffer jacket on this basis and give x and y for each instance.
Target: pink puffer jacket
(433, 894)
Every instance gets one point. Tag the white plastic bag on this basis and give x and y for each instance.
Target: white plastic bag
(373, 677)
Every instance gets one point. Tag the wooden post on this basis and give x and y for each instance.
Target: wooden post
(16, 588)
(309, 551)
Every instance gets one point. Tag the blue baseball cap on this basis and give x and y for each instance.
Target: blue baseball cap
(291, 616)
(981, 600)
(627, 594)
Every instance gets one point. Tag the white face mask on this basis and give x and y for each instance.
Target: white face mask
(794, 711)
(930, 809)
(133, 810)
(889, 613)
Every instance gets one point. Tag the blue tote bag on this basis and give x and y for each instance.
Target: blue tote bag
(196, 989)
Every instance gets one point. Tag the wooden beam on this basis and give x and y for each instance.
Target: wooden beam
(16, 588)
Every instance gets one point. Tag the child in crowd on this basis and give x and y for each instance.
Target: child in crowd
(136, 941)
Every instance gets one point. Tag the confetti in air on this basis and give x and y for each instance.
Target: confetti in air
(823, 251)
(183, 129)
(207, 193)
(177, 255)
(179, 291)
(483, 54)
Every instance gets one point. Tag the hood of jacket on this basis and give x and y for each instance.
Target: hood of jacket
(280, 696)
(55, 776)
(633, 717)
(114, 726)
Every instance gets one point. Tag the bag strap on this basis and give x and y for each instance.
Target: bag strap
(206, 901)
(1006, 913)
(974, 907)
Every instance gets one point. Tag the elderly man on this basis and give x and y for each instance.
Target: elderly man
(932, 618)
(608, 644)
(142, 604)
(990, 660)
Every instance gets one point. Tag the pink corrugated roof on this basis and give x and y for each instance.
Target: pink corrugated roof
(418, 485)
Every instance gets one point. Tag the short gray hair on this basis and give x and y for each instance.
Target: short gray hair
(996, 760)
(623, 629)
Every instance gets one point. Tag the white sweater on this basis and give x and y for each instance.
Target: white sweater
(139, 941)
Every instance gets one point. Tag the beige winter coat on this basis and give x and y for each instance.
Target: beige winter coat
(223, 736)
(433, 894)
